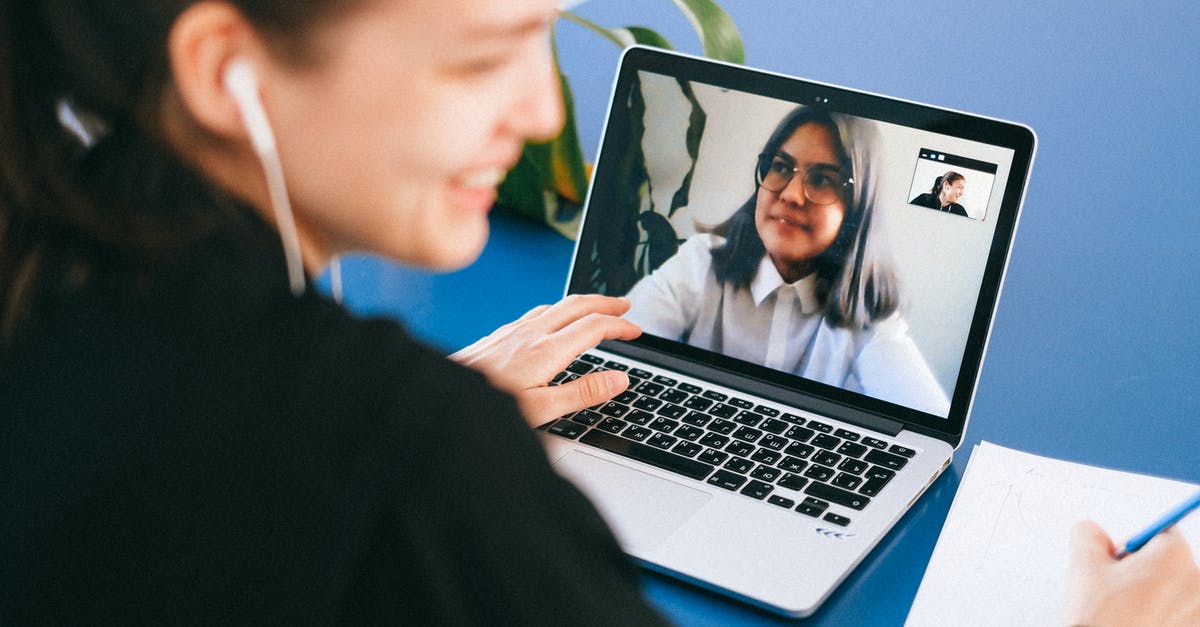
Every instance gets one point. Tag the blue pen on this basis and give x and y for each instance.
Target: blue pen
(1160, 525)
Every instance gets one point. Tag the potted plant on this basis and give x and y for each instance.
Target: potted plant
(549, 182)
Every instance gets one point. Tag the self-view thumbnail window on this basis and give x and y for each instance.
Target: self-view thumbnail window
(952, 184)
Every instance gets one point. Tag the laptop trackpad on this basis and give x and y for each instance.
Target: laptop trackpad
(643, 510)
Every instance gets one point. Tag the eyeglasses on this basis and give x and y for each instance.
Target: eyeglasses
(822, 185)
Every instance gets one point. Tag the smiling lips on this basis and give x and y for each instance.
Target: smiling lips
(789, 222)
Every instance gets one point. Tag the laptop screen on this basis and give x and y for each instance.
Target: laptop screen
(843, 244)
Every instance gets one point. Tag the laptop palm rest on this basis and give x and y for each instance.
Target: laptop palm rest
(621, 494)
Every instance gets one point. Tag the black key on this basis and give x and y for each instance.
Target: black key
(812, 507)
(567, 429)
(748, 418)
(587, 417)
(792, 482)
(766, 456)
(698, 403)
(846, 435)
(847, 481)
(579, 367)
(648, 403)
(792, 464)
(771, 425)
(722, 426)
(741, 403)
(757, 489)
(766, 411)
(662, 441)
(727, 480)
(674, 396)
(716, 396)
(709, 456)
(738, 447)
(797, 449)
(689, 388)
(688, 432)
(739, 465)
(650, 389)
(616, 365)
(663, 424)
(626, 397)
(827, 458)
(836, 519)
(637, 433)
(687, 449)
(902, 450)
(639, 417)
(853, 466)
(747, 434)
(836, 495)
(887, 460)
(775, 499)
(852, 449)
(820, 473)
(826, 441)
(638, 373)
(612, 425)
(667, 381)
(792, 418)
(800, 434)
(773, 442)
(616, 410)
(697, 418)
(722, 410)
(671, 410)
(647, 454)
(819, 426)
(592, 359)
(714, 440)
(876, 478)
(766, 473)
(874, 442)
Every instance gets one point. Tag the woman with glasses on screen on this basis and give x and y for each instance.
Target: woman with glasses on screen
(798, 279)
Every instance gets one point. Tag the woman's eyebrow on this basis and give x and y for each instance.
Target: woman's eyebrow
(511, 29)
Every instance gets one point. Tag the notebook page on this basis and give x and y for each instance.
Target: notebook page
(1001, 558)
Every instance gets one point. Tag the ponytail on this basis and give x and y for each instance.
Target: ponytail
(86, 181)
(937, 185)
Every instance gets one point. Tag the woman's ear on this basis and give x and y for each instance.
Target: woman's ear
(203, 43)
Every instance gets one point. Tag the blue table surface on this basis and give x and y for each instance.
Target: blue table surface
(1092, 355)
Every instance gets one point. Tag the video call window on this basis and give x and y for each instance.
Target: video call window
(952, 184)
(669, 197)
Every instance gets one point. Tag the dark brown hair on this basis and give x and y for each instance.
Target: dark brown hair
(86, 177)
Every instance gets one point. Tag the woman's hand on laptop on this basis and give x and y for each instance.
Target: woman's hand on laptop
(1158, 585)
(523, 356)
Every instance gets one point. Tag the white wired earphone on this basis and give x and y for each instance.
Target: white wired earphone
(240, 80)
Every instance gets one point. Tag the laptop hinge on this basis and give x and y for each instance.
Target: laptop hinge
(756, 387)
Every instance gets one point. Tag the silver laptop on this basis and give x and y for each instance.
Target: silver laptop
(816, 270)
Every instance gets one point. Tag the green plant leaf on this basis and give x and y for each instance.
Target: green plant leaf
(647, 37)
(718, 33)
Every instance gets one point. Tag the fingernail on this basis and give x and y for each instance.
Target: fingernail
(616, 381)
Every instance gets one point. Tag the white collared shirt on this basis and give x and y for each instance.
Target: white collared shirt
(781, 325)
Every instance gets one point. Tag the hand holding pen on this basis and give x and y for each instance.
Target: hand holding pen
(1152, 580)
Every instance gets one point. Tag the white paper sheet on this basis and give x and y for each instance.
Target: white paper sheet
(1002, 555)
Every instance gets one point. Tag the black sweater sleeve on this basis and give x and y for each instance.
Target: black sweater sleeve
(474, 527)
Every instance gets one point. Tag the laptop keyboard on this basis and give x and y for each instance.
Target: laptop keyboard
(795, 463)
